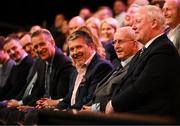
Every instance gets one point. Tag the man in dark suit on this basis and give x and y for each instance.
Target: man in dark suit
(6, 64)
(151, 85)
(60, 73)
(90, 69)
(126, 47)
(20, 71)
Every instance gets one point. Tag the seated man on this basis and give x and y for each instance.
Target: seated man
(17, 79)
(90, 69)
(52, 75)
(151, 85)
(126, 47)
(6, 64)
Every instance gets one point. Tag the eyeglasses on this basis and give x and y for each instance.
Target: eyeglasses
(120, 41)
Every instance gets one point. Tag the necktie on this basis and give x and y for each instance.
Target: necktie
(115, 73)
(142, 51)
(47, 80)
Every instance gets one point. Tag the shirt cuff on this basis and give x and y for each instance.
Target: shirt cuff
(95, 107)
(20, 102)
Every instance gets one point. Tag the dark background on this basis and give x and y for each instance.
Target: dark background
(17, 14)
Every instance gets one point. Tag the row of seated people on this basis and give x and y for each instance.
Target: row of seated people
(146, 82)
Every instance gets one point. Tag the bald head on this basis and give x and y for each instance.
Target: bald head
(124, 43)
(75, 23)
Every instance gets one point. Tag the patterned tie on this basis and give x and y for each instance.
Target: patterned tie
(142, 51)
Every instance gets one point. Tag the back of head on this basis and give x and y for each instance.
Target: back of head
(81, 32)
(75, 22)
(35, 28)
(155, 13)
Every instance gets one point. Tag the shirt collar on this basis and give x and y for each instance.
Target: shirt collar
(90, 58)
(22, 58)
(150, 41)
(84, 67)
(123, 63)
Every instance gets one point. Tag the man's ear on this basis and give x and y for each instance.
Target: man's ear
(154, 23)
(52, 42)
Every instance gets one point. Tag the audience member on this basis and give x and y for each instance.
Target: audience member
(85, 13)
(126, 47)
(171, 11)
(6, 64)
(90, 69)
(25, 41)
(20, 71)
(151, 85)
(52, 78)
(108, 28)
(104, 12)
(56, 31)
(119, 8)
(75, 23)
(129, 17)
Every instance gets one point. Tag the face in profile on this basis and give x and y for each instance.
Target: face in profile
(14, 49)
(79, 51)
(123, 45)
(43, 46)
(129, 18)
(142, 26)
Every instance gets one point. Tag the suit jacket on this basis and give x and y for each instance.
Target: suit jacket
(105, 88)
(36, 93)
(17, 79)
(5, 72)
(96, 71)
(151, 83)
(59, 79)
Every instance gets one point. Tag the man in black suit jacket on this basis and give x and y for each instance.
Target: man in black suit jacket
(60, 73)
(90, 69)
(20, 71)
(151, 84)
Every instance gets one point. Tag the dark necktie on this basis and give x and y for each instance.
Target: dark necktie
(47, 80)
(142, 51)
